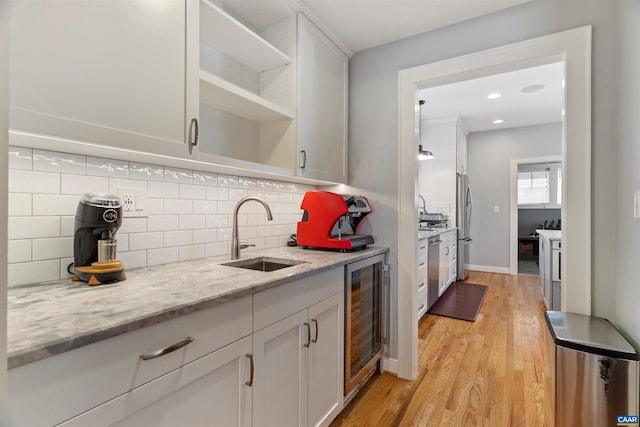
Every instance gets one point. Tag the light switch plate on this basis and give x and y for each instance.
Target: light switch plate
(496, 209)
(134, 202)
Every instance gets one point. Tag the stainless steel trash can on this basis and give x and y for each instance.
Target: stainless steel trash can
(591, 372)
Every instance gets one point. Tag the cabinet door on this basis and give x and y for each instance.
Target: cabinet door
(322, 106)
(111, 72)
(326, 359)
(445, 263)
(210, 391)
(280, 381)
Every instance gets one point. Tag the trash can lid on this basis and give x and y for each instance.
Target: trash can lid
(589, 334)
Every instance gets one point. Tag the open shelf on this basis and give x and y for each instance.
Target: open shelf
(233, 99)
(224, 33)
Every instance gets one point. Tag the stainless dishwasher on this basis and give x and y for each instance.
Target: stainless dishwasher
(433, 270)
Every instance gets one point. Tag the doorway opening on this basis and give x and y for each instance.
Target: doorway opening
(573, 49)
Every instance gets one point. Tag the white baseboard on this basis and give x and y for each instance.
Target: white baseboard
(488, 269)
(390, 365)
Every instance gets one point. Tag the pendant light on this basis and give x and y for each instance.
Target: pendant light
(422, 153)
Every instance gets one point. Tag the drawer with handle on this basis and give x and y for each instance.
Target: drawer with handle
(90, 375)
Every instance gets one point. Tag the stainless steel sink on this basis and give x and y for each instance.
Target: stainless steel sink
(263, 263)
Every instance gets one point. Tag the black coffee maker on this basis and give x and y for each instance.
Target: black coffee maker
(98, 217)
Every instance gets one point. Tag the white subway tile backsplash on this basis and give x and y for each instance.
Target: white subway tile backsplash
(162, 256)
(54, 204)
(217, 193)
(162, 222)
(224, 234)
(133, 225)
(52, 248)
(178, 238)
(180, 176)
(228, 181)
(21, 181)
(20, 158)
(205, 178)
(52, 161)
(134, 259)
(97, 166)
(139, 241)
(217, 249)
(19, 251)
(217, 221)
(192, 192)
(204, 236)
(33, 272)
(189, 212)
(191, 222)
(123, 243)
(177, 206)
(28, 227)
(64, 268)
(147, 172)
(205, 207)
(19, 204)
(67, 223)
(186, 253)
(165, 190)
(72, 184)
(155, 206)
(115, 183)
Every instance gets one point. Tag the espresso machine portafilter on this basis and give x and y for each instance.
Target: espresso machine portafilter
(97, 220)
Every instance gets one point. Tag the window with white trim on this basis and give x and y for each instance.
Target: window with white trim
(533, 187)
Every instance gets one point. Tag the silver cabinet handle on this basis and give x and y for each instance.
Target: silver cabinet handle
(421, 307)
(421, 285)
(196, 132)
(167, 350)
(250, 382)
(316, 323)
(421, 264)
(304, 159)
(308, 334)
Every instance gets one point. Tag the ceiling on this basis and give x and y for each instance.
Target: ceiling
(362, 24)
(468, 99)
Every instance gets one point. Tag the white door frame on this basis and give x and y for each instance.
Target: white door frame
(513, 204)
(574, 48)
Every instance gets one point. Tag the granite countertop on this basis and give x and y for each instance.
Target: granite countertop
(550, 234)
(51, 318)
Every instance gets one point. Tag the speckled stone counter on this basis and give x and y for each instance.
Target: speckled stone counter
(51, 318)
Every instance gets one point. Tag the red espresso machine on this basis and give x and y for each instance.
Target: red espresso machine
(331, 221)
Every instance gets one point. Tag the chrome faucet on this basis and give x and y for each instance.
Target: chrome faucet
(424, 205)
(235, 245)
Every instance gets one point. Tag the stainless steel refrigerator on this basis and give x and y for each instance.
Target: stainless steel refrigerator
(464, 210)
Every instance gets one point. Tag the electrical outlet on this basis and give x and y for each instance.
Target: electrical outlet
(134, 202)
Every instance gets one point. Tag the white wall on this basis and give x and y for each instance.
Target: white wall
(190, 212)
(4, 138)
(373, 112)
(626, 286)
(488, 160)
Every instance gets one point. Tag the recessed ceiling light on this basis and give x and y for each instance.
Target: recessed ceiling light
(498, 121)
(494, 95)
(532, 88)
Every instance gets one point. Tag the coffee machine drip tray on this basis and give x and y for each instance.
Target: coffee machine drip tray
(100, 273)
(357, 240)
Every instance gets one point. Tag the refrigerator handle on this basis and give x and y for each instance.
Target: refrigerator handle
(470, 204)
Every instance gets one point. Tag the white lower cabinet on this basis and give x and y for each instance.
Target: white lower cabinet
(298, 379)
(210, 391)
(274, 358)
(448, 260)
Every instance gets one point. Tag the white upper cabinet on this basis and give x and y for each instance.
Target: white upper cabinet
(109, 72)
(323, 72)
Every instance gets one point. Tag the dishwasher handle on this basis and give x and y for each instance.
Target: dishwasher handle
(435, 242)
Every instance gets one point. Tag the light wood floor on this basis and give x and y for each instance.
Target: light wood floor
(483, 373)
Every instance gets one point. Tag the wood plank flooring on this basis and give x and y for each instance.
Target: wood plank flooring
(483, 373)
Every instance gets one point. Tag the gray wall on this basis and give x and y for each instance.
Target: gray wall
(489, 157)
(530, 219)
(373, 112)
(626, 286)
